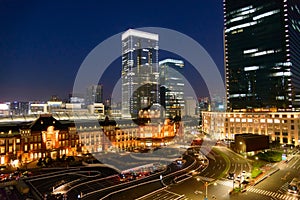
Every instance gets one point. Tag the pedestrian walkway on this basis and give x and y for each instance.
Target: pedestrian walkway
(274, 195)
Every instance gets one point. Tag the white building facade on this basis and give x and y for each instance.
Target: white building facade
(283, 127)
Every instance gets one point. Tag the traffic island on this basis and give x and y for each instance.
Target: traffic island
(237, 190)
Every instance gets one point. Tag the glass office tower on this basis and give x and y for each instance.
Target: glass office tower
(139, 71)
(262, 55)
(94, 94)
(172, 87)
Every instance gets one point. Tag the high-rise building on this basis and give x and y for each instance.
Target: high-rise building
(262, 71)
(190, 106)
(172, 87)
(19, 108)
(94, 94)
(139, 71)
(262, 54)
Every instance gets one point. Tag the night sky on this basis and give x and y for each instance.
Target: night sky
(43, 43)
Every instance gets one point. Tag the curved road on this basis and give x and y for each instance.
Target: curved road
(221, 161)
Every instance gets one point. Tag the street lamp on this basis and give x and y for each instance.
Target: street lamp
(206, 185)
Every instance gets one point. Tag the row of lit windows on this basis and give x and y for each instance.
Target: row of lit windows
(261, 126)
(66, 136)
(37, 138)
(260, 115)
(32, 147)
(122, 140)
(258, 130)
(10, 141)
(92, 140)
(250, 120)
(226, 116)
(10, 149)
(25, 131)
(66, 143)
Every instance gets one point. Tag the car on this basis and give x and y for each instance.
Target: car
(122, 178)
(2, 168)
(230, 176)
(238, 178)
(26, 174)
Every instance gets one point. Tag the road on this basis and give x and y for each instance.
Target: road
(272, 188)
(221, 161)
(137, 188)
(277, 184)
(94, 183)
(189, 183)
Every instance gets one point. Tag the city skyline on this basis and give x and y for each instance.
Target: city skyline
(42, 52)
(134, 125)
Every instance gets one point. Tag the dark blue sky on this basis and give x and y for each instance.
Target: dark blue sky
(43, 43)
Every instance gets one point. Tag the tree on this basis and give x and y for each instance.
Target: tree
(48, 161)
(64, 157)
(69, 159)
(40, 162)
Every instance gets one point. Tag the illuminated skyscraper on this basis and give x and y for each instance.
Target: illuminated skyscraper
(262, 54)
(139, 71)
(94, 94)
(172, 83)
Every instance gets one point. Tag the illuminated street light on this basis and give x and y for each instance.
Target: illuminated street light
(206, 184)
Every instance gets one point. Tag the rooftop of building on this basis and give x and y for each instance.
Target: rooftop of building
(138, 33)
(44, 121)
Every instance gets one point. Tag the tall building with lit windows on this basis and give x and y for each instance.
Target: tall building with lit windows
(139, 71)
(94, 94)
(262, 54)
(172, 87)
(262, 71)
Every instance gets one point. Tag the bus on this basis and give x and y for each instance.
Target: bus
(197, 142)
(294, 185)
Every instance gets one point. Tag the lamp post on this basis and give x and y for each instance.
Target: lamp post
(206, 184)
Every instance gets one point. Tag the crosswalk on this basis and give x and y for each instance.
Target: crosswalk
(274, 195)
(284, 188)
